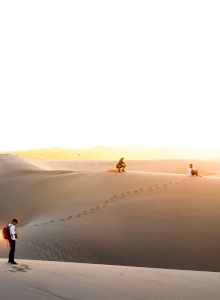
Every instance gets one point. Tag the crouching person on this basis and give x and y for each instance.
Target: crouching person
(121, 165)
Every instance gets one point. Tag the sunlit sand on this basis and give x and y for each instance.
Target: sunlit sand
(109, 229)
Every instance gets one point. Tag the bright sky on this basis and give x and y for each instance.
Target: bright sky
(114, 73)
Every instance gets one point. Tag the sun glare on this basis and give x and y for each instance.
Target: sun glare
(148, 77)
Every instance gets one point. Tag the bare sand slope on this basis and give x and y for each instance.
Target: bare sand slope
(162, 166)
(136, 218)
(58, 280)
(12, 164)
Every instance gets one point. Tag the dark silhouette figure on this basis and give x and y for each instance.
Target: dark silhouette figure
(12, 240)
(121, 165)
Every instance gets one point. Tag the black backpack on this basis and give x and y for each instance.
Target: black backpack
(6, 233)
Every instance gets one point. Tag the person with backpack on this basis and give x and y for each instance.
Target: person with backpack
(12, 240)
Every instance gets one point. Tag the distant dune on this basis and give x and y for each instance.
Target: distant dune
(159, 166)
(11, 163)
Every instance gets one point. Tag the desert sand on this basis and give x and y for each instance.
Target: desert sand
(77, 281)
(152, 216)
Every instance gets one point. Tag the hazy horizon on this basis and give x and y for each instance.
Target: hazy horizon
(135, 152)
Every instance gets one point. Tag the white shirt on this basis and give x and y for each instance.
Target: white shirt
(189, 171)
(12, 231)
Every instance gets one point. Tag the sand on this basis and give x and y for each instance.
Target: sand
(153, 216)
(58, 280)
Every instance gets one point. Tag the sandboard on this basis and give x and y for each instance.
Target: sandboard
(115, 171)
(112, 170)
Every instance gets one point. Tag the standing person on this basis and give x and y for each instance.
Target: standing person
(192, 171)
(12, 240)
(121, 165)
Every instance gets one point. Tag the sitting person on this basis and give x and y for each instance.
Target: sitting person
(121, 165)
(191, 171)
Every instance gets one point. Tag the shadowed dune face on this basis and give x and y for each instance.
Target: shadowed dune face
(12, 164)
(137, 218)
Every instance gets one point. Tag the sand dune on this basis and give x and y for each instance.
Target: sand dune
(12, 164)
(57, 280)
(78, 212)
(145, 219)
(161, 166)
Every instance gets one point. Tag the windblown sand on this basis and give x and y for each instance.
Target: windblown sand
(153, 216)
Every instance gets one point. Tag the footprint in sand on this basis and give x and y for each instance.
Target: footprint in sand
(63, 219)
(18, 268)
(114, 199)
(107, 201)
(151, 188)
(36, 225)
(134, 192)
(162, 185)
(52, 221)
(98, 207)
(26, 267)
(104, 206)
